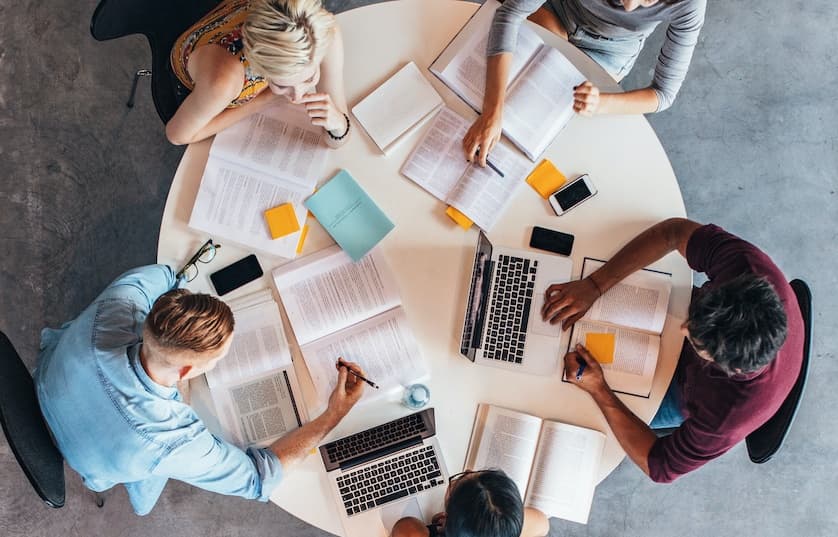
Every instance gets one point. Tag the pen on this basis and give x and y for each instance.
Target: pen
(489, 163)
(581, 370)
(358, 375)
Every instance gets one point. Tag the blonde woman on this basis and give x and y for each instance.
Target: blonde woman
(228, 59)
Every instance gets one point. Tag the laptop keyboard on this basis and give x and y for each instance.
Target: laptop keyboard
(390, 479)
(510, 309)
(376, 438)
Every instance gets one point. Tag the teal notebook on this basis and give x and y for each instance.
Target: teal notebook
(350, 216)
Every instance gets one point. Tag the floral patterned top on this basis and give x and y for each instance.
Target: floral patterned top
(221, 26)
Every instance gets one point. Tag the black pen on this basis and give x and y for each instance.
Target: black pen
(489, 163)
(357, 375)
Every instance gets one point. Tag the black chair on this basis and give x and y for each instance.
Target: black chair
(766, 441)
(161, 22)
(25, 428)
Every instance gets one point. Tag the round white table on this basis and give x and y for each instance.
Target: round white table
(432, 257)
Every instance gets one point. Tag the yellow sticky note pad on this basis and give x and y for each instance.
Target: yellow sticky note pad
(282, 220)
(462, 220)
(546, 179)
(601, 346)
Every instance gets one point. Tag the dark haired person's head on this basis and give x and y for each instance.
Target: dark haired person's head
(483, 504)
(740, 325)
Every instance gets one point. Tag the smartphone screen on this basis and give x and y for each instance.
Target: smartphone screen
(573, 194)
(234, 276)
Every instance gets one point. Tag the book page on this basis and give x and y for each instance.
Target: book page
(383, 346)
(462, 66)
(540, 102)
(437, 163)
(635, 356)
(507, 442)
(639, 301)
(565, 470)
(326, 292)
(259, 344)
(231, 202)
(259, 410)
(280, 142)
(482, 194)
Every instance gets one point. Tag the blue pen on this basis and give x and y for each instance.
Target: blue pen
(581, 370)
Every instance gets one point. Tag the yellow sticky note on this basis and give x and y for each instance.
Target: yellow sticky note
(546, 179)
(601, 346)
(462, 220)
(282, 220)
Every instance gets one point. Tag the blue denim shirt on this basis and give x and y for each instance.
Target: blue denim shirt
(113, 424)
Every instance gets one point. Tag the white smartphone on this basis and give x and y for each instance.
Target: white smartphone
(572, 194)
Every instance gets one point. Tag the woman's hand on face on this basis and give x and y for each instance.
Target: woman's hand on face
(481, 138)
(323, 112)
(585, 99)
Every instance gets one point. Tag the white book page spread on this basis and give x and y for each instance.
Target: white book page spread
(540, 102)
(437, 163)
(396, 106)
(383, 346)
(462, 66)
(482, 194)
(508, 441)
(639, 301)
(326, 292)
(231, 202)
(564, 472)
(259, 344)
(635, 356)
(280, 142)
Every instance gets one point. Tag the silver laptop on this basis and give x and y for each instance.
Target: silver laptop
(387, 471)
(503, 326)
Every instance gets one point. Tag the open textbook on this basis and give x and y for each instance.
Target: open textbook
(338, 308)
(539, 95)
(264, 160)
(438, 166)
(634, 311)
(254, 388)
(554, 464)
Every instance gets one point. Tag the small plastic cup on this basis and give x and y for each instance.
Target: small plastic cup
(416, 396)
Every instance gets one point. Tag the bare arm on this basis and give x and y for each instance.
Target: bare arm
(485, 132)
(327, 108)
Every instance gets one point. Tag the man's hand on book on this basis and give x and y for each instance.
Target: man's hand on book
(566, 303)
(591, 379)
(348, 390)
(481, 138)
(585, 99)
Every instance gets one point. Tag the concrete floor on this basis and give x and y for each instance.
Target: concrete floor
(752, 139)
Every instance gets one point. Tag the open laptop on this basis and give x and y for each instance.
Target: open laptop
(503, 326)
(379, 474)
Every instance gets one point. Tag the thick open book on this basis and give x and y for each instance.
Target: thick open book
(254, 388)
(264, 160)
(438, 166)
(338, 308)
(539, 96)
(634, 311)
(554, 464)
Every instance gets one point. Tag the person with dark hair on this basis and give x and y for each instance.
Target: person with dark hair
(107, 386)
(485, 503)
(742, 353)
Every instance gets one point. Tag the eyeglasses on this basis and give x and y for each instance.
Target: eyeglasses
(205, 254)
(457, 477)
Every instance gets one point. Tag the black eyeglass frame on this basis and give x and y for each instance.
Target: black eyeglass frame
(195, 259)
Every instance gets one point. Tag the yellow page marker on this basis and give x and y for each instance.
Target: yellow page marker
(546, 179)
(302, 241)
(601, 346)
(462, 220)
(282, 220)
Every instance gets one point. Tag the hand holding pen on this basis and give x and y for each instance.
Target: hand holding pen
(582, 369)
(353, 369)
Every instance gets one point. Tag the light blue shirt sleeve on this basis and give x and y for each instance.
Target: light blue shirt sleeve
(213, 464)
(676, 54)
(503, 35)
(142, 285)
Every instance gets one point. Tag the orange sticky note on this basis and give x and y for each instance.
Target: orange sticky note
(282, 220)
(462, 220)
(546, 179)
(601, 346)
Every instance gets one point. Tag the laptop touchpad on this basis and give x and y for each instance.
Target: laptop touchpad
(536, 324)
(392, 513)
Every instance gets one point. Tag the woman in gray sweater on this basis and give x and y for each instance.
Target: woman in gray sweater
(612, 33)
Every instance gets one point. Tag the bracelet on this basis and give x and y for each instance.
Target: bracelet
(342, 136)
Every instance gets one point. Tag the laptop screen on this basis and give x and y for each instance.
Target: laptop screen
(481, 279)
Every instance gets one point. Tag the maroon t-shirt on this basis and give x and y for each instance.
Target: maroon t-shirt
(721, 410)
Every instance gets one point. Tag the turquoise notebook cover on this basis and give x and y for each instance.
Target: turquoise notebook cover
(349, 214)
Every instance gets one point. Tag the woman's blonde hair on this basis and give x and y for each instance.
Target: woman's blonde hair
(283, 37)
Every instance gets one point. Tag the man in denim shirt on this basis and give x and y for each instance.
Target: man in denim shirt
(106, 383)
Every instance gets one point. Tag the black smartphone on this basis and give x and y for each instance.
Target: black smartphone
(552, 241)
(234, 276)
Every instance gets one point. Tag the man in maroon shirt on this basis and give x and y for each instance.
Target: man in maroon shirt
(742, 354)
